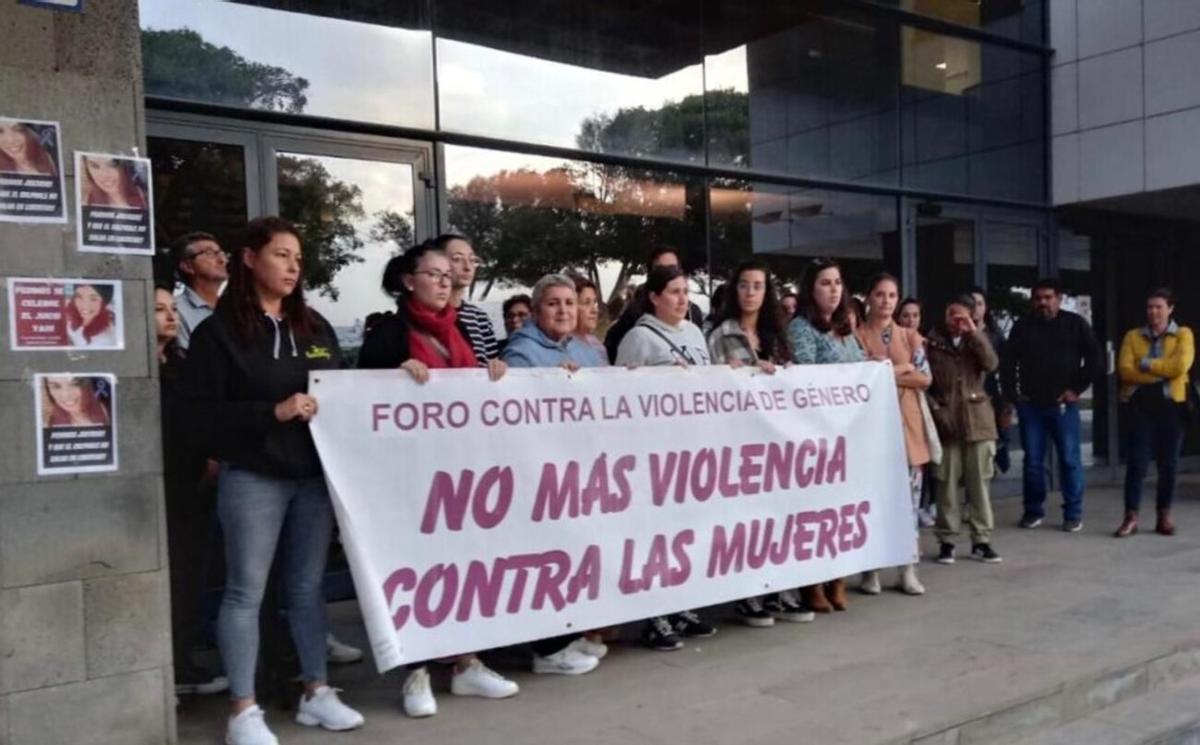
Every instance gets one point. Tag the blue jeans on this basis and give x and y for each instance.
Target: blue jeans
(1061, 424)
(1154, 430)
(258, 514)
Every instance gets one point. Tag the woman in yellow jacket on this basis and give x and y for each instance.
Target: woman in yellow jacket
(1154, 364)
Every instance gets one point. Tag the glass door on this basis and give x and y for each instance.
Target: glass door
(357, 201)
(356, 206)
(206, 179)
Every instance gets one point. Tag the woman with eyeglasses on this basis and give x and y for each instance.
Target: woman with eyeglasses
(822, 334)
(663, 335)
(426, 333)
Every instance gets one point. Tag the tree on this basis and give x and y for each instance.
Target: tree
(392, 227)
(325, 211)
(677, 130)
(181, 64)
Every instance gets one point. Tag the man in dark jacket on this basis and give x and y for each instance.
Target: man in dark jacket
(1049, 361)
(661, 256)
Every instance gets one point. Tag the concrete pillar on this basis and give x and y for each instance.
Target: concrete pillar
(84, 620)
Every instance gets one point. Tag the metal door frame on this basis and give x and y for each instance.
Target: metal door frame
(263, 141)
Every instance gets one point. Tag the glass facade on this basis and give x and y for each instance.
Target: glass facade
(579, 135)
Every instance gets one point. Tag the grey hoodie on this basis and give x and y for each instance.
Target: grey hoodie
(652, 342)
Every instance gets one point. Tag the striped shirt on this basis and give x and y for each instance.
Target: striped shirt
(479, 332)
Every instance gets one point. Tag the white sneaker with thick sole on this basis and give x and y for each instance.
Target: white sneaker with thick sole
(566, 661)
(326, 710)
(479, 680)
(870, 583)
(907, 582)
(592, 649)
(249, 727)
(418, 695)
(339, 652)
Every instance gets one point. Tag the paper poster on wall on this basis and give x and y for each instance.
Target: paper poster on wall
(65, 314)
(31, 173)
(76, 422)
(113, 203)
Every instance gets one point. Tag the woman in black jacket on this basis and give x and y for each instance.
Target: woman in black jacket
(246, 382)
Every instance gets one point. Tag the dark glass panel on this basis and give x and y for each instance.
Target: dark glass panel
(807, 88)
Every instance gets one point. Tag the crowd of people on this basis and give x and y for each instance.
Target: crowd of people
(237, 345)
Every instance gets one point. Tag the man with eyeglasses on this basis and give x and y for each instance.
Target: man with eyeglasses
(659, 256)
(203, 268)
(474, 319)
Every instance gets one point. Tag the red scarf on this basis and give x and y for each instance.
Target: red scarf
(442, 326)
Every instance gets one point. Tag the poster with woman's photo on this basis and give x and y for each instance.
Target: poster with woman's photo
(31, 173)
(65, 314)
(114, 204)
(76, 422)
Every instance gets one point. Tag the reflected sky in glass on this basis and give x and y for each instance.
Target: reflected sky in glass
(512, 96)
(385, 186)
(356, 71)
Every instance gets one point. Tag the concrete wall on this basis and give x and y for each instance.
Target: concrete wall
(1123, 79)
(84, 621)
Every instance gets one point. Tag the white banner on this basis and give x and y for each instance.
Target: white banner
(478, 514)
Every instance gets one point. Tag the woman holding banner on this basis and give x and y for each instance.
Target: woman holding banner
(750, 330)
(425, 333)
(821, 334)
(245, 385)
(663, 335)
(548, 340)
(883, 339)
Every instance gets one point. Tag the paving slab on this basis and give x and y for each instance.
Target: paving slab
(1070, 625)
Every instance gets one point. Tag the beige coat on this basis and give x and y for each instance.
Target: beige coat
(911, 382)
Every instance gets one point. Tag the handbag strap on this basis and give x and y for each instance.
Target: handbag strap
(681, 353)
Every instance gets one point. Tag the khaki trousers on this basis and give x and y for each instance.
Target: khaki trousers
(972, 463)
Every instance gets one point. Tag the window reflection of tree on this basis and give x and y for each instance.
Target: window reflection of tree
(582, 216)
(197, 186)
(325, 211)
(179, 63)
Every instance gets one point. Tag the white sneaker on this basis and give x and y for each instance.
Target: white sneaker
(870, 583)
(907, 582)
(249, 727)
(326, 710)
(589, 647)
(418, 695)
(479, 680)
(566, 661)
(339, 652)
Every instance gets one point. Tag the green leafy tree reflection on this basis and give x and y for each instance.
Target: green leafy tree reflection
(392, 227)
(325, 211)
(181, 64)
(580, 216)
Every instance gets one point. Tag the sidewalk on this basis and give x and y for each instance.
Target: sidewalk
(1061, 608)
